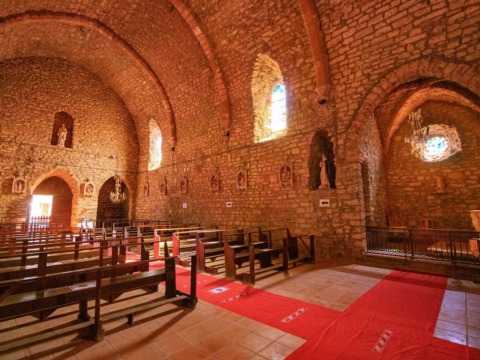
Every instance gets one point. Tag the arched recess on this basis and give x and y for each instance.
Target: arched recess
(107, 210)
(321, 145)
(62, 119)
(383, 113)
(463, 74)
(62, 199)
(64, 189)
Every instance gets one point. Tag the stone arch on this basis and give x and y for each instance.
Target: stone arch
(417, 99)
(106, 210)
(219, 82)
(316, 39)
(69, 180)
(457, 72)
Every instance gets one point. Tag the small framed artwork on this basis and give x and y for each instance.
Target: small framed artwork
(214, 182)
(286, 174)
(163, 187)
(183, 185)
(242, 180)
(19, 186)
(88, 188)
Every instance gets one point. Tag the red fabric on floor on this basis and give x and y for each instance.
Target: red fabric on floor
(394, 320)
(296, 317)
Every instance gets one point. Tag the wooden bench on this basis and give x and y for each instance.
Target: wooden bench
(236, 255)
(163, 238)
(41, 295)
(70, 252)
(12, 306)
(210, 246)
(260, 254)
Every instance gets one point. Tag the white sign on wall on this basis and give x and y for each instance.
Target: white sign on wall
(324, 203)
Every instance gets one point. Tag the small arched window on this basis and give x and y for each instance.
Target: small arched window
(269, 100)
(155, 147)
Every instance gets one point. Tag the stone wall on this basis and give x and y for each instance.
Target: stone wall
(33, 91)
(366, 42)
(412, 182)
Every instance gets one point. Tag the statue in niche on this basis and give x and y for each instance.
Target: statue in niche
(323, 166)
(62, 136)
(327, 172)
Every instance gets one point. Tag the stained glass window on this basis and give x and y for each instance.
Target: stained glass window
(278, 109)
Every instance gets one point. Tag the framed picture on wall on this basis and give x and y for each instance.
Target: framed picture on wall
(242, 179)
(88, 188)
(183, 185)
(19, 185)
(286, 174)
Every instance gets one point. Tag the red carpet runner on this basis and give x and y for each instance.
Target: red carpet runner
(394, 320)
(296, 317)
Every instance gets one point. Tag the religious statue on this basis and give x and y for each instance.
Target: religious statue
(62, 135)
(324, 184)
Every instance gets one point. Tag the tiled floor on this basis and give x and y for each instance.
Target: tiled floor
(210, 332)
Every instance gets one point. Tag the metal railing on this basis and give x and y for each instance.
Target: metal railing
(427, 244)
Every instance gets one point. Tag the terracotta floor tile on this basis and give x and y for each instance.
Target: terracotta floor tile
(276, 351)
(234, 352)
(253, 342)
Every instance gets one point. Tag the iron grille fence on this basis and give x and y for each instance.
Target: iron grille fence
(429, 244)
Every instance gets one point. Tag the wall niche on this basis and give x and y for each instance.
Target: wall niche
(321, 145)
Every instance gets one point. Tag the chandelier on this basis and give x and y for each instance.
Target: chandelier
(419, 137)
(117, 196)
(432, 143)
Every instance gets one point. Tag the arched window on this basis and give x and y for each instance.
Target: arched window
(269, 99)
(155, 148)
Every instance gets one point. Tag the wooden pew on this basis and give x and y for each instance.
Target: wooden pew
(212, 247)
(112, 285)
(68, 252)
(163, 238)
(277, 242)
(47, 260)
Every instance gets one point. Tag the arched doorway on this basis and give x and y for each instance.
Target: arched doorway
(107, 210)
(59, 207)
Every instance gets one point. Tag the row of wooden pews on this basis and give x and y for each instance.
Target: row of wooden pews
(47, 284)
(227, 250)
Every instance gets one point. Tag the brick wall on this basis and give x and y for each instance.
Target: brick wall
(33, 90)
(372, 46)
(412, 183)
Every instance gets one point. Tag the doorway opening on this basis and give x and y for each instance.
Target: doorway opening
(41, 209)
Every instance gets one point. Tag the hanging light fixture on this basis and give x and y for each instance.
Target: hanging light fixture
(117, 196)
(432, 143)
(419, 137)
